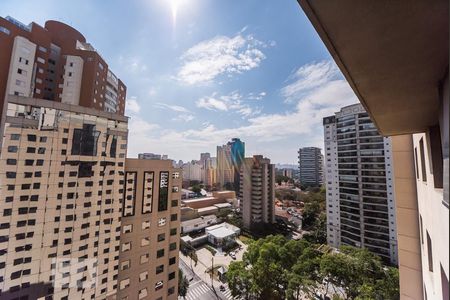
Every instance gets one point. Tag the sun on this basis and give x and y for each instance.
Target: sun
(175, 6)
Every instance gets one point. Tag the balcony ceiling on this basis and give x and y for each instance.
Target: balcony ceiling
(393, 54)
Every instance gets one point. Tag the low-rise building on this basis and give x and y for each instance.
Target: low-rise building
(198, 223)
(222, 235)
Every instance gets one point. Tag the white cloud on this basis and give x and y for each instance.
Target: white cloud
(184, 118)
(232, 102)
(211, 104)
(277, 135)
(133, 64)
(308, 77)
(221, 55)
(132, 106)
(176, 108)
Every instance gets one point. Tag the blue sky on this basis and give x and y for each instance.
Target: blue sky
(200, 72)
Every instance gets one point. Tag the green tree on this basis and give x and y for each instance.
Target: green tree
(183, 284)
(196, 189)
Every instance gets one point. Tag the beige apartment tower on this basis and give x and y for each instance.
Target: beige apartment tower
(257, 192)
(150, 232)
(61, 187)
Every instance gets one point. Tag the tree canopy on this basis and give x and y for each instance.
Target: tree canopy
(277, 268)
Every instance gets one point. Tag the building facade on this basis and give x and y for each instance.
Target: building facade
(192, 171)
(150, 231)
(257, 192)
(225, 170)
(56, 63)
(310, 163)
(61, 185)
(360, 184)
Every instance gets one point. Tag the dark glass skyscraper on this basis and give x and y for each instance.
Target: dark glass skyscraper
(237, 157)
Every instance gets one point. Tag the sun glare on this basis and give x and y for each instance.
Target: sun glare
(175, 6)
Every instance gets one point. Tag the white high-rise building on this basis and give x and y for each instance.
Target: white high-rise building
(360, 185)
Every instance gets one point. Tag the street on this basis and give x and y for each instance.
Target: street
(200, 290)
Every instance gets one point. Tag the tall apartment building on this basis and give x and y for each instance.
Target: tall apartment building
(56, 63)
(61, 186)
(360, 184)
(225, 169)
(192, 171)
(310, 162)
(257, 192)
(149, 238)
(229, 160)
(379, 68)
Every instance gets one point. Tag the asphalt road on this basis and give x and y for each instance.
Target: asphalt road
(198, 290)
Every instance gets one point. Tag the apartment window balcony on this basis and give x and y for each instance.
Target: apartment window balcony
(383, 237)
(349, 191)
(382, 201)
(351, 217)
(374, 180)
(347, 172)
(351, 185)
(352, 238)
(372, 159)
(348, 160)
(376, 215)
(344, 196)
(375, 208)
(378, 222)
(351, 223)
(349, 229)
(376, 229)
(376, 243)
(354, 205)
(374, 173)
(350, 242)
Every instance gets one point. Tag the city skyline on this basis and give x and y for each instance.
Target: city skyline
(269, 79)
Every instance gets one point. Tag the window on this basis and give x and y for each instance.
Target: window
(85, 140)
(125, 265)
(172, 260)
(173, 231)
(160, 253)
(173, 246)
(161, 237)
(11, 162)
(31, 137)
(174, 203)
(5, 30)
(436, 156)
(171, 291)
(15, 137)
(172, 276)
(429, 253)
(422, 160)
(12, 149)
(85, 169)
(159, 269)
(175, 175)
(173, 217)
